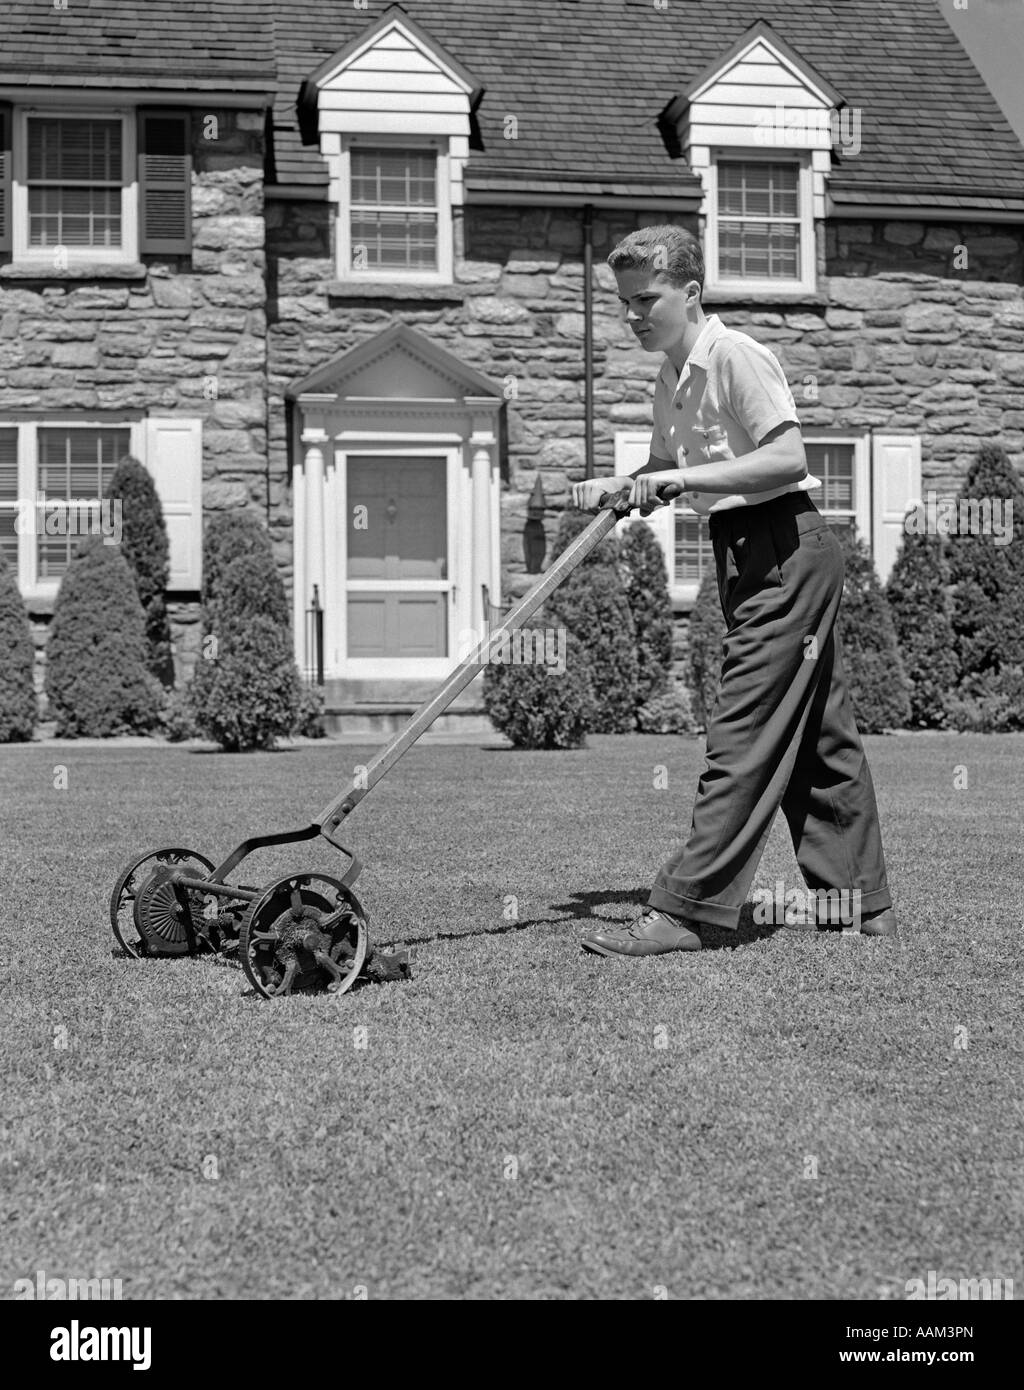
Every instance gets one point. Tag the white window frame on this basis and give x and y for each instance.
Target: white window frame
(128, 252)
(439, 145)
(31, 586)
(861, 474)
(808, 280)
(635, 444)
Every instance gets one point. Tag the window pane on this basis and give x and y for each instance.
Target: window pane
(9, 539)
(75, 464)
(397, 240)
(758, 189)
(693, 548)
(67, 150)
(393, 176)
(833, 464)
(759, 250)
(8, 465)
(74, 217)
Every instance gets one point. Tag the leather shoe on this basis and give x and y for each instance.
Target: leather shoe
(651, 933)
(879, 923)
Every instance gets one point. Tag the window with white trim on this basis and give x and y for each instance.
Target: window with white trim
(55, 475)
(395, 210)
(87, 185)
(835, 463)
(760, 227)
(74, 186)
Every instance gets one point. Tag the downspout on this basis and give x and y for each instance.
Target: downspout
(588, 339)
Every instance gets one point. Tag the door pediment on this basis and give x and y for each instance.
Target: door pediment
(398, 363)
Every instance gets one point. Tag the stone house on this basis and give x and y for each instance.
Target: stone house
(344, 263)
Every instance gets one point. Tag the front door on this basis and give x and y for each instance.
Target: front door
(397, 581)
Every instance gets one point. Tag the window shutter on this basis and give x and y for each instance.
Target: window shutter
(174, 458)
(165, 181)
(896, 479)
(5, 177)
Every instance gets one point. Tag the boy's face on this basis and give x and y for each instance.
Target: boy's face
(657, 311)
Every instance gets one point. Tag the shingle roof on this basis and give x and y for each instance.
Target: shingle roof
(159, 44)
(587, 80)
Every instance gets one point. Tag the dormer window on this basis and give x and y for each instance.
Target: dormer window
(392, 115)
(395, 214)
(760, 229)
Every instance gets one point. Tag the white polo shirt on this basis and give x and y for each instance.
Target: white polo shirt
(730, 380)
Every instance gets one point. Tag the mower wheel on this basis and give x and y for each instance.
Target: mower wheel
(306, 935)
(144, 904)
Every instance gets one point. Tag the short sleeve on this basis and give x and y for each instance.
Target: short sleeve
(755, 390)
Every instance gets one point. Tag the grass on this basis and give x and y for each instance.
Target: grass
(525, 1120)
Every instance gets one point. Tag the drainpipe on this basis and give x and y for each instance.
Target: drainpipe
(588, 339)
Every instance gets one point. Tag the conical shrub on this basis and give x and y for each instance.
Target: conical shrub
(704, 652)
(145, 546)
(916, 593)
(645, 580)
(18, 704)
(879, 688)
(591, 604)
(986, 569)
(97, 681)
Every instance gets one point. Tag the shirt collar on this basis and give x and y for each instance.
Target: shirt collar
(699, 353)
(709, 336)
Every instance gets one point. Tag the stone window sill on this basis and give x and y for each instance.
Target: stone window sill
(393, 289)
(741, 297)
(85, 270)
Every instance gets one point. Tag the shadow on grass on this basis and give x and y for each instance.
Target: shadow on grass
(581, 908)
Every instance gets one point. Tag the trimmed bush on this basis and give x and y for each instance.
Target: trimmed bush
(879, 688)
(177, 719)
(18, 706)
(671, 712)
(309, 718)
(988, 592)
(145, 546)
(704, 656)
(536, 707)
(227, 536)
(245, 691)
(251, 585)
(917, 599)
(645, 580)
(247, 695)
(592, 605)
(988, 704)
(97, 682)
(570, 524)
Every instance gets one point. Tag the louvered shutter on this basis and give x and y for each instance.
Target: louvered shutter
(165, 181)
(5, 177)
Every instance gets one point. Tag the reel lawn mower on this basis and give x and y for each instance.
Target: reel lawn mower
(306, 933)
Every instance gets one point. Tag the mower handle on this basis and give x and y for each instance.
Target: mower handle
(665, 492)
(613, 507)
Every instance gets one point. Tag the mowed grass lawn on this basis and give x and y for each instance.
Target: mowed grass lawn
(525, 1120)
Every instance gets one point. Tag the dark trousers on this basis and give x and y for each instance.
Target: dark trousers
(782, 731)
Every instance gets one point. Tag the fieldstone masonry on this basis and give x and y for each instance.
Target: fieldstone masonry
(905, 333)
(895, 338)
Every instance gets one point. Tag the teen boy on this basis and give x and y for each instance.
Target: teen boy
(782, 731)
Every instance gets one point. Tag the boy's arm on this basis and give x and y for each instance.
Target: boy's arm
(779, 460)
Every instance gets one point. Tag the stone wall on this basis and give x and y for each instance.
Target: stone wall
(175, 333)
(894, 339)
